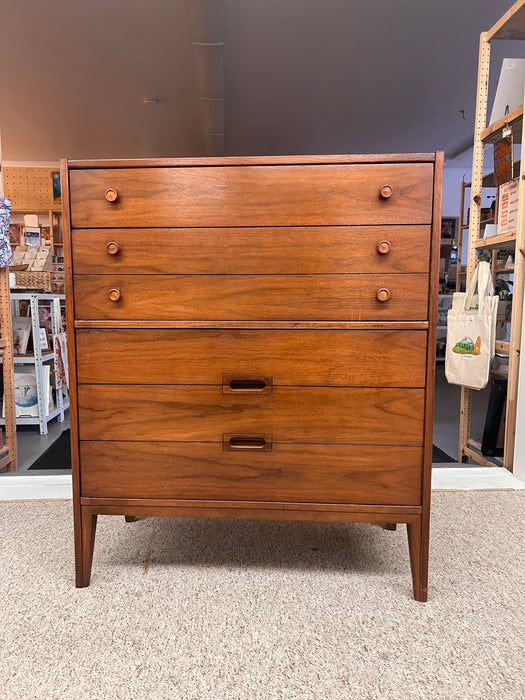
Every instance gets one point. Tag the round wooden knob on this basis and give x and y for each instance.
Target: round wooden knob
(383, 294)
(383, 247)
(112, 248)
(111, 195)
(114, 294)
(386, 192)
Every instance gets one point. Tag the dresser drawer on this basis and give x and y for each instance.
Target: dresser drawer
(297, 250)
(251, 297)
(383, 358)
(280, 195)
(289, 414)
(293, 473)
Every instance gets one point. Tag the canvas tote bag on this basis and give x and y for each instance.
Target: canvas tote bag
(471, 331)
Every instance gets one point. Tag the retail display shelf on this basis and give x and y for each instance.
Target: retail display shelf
(511, 26)
(498, 241)
(35, 420)
(5, 459)
(30, 358)
(29, 210)
(513, 119)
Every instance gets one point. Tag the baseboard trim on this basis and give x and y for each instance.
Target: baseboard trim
(28, 487)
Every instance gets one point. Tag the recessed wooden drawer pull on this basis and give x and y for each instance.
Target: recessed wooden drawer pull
(111, 195)
(112, 248)
(383, 294)
(384, 247)
(262, 443)
(114, 294)
(247, 385)
(386, 192)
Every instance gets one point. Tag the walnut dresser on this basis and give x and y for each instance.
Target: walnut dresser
(253, 338)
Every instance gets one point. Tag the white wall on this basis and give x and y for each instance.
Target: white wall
(452, 179)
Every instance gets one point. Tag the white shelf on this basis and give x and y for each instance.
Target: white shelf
(35, 420)
(30, 359)
(38, 357)
(25, 296)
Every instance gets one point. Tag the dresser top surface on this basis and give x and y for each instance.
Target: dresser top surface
(255, 160)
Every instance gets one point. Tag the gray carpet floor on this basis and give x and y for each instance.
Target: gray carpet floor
(262, 610)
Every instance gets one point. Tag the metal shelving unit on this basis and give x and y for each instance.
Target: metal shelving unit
(39, 357)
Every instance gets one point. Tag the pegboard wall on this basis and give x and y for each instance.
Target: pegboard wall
(29, 188)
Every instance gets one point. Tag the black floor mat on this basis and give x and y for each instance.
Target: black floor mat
(57, 455)
(439, 456)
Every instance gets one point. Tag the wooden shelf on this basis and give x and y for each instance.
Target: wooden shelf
(503, 346)
(513, 119)
(5, 460)
(499, 241)
(8, 458)
(488, 179)
(473, 451)
(481, 223)
(511, 26)
(55, 210)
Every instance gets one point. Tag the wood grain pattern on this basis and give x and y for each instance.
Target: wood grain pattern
(321, 473)
(293, 358)
(256, 325)
(88, 531)
(420, 578)
(406, 513)
(292, 511)
(300, 250)
(312, 159)
(286, 290)
(281, 195)
(73, 407)
(290, 414)
(278, 297)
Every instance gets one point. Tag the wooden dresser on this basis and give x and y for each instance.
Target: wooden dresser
(253, 338)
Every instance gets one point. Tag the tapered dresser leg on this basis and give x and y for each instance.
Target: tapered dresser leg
(87, 543)
(130, 518)
(418, 549)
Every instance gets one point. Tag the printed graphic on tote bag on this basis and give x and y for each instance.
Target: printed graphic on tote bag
(468, 347)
